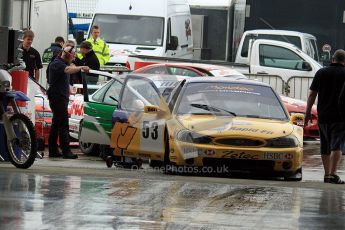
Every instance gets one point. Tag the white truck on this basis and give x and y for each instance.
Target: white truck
(266, 57)
(160, 28)
(306, 42)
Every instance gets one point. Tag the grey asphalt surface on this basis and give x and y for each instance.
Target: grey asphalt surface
(84, 194)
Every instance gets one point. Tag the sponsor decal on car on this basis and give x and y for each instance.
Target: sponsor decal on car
(122, 136)
(240, 155)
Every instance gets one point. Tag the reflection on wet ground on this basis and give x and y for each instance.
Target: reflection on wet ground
(82, 202)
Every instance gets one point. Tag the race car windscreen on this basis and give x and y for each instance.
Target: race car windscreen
(230, 99)
(131, 30)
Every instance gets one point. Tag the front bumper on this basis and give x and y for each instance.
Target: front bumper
(258, 159)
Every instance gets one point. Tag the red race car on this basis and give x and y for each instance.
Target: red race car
(190, 70)
(43, 118)
(298, 106)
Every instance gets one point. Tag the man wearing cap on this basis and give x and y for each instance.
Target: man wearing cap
(89, 59)
(58, 95)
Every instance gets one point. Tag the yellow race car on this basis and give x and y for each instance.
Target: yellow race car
(209, 124)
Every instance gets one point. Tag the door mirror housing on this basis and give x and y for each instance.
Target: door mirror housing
(306, 66)
(297, 119)
(173, 43)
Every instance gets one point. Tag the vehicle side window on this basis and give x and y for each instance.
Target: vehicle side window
(182, 72)
(158, 70)
(137, 93)
(206, 72)
(283, 38)
(99, 95)
(113, 91)
(278, 57)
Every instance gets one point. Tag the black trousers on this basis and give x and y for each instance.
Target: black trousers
(60, 127)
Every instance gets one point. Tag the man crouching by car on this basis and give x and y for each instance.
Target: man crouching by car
(58, 95)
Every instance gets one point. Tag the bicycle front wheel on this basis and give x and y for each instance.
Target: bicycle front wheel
(23, 150)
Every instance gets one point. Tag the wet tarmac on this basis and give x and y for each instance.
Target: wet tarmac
(83, 194)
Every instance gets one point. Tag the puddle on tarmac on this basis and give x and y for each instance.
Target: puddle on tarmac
(60, 202)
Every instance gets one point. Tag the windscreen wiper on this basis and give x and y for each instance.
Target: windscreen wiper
(260, 117)
(212, 108)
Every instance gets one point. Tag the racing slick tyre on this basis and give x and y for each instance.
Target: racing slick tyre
(87, 148)
(23, 150)
(294, 177)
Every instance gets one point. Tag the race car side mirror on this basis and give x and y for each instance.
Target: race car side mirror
(151, 109)
(297, 119)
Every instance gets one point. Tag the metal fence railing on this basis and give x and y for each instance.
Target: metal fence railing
(275, 81)
(296, 86)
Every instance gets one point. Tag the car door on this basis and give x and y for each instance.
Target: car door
(97, 123)
(136, 132)
(280, 61)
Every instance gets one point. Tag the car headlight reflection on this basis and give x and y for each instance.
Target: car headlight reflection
(190, 137)
(283, 142)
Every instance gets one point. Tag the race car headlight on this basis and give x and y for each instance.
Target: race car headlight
(283, 142)
(190, 137)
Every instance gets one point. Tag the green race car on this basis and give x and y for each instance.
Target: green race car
(95, 125)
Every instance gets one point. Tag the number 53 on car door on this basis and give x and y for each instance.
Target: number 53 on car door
(151, 139)
(150, 136)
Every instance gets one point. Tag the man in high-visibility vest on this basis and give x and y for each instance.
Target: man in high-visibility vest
(99, 46)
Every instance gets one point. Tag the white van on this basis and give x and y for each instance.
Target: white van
(160, 28)
(306, 42)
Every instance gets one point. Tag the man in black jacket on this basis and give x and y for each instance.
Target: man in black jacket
(58, 95)
(53, 51)
(89, 59)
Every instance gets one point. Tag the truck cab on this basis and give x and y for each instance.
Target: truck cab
(305, 42)
(269, 57)
(160, 28)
